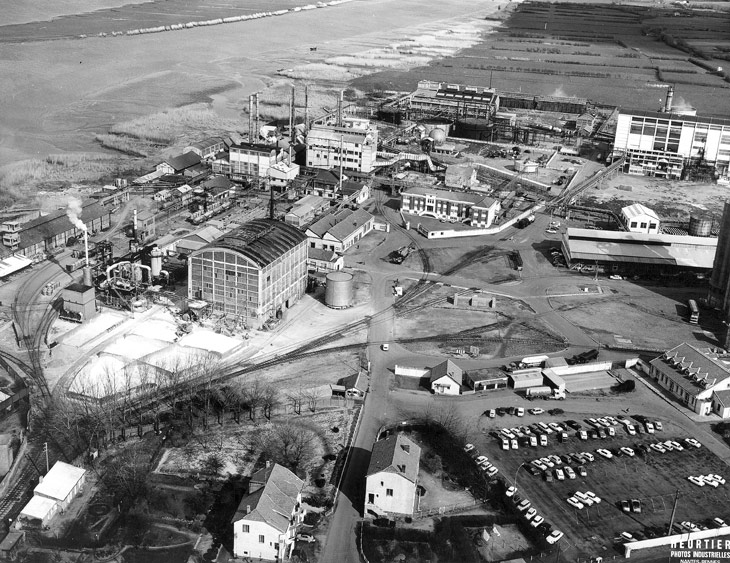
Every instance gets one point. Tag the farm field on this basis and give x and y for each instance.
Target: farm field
(611, 54)
(652, 478)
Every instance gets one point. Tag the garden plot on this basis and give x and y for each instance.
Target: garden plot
(234, 449)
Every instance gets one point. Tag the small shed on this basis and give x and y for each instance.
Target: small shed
(11, 545)
(523, 379)
(39, 511)
(640, 219)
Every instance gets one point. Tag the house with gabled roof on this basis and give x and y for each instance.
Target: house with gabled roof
(267, 519)
(339, 231)
(697, 376)
(178, 164)
(446, 378)
(392, 477)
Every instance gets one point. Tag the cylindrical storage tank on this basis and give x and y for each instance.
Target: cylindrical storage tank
(438, 136)
(700, 224)
(338, 293)
(156, 262)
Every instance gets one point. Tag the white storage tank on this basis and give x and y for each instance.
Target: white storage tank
(338, 292)
(156, 262)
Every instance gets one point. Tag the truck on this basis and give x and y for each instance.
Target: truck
(545, 392)
(525, 222)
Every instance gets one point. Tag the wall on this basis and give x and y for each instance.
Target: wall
(676, 538)
(582, 368)
(509, 175)
(404, 493)
(411, 372)
(490, 231)
(249, 542)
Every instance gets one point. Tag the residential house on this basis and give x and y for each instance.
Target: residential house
(640, 219)
(340, 230)
(356, 385)
(183, 194)
(474, 208)
(392, 477)
(460, 176)
(321, 260)
(446, 378)
(218, 188)
(267, 519)
(698, 376)
(355, 192)
(178, 164)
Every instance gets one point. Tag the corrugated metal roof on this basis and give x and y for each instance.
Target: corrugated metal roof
(261, 240)
(638, 210)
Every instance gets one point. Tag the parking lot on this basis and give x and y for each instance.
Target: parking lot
(650, 477)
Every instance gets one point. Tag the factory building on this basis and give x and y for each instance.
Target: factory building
(453, 100)
(698, 376)
(663, 144)
(480, 210)
(45, 234)
(352, 145)
(559, 104)
(305, 210)
(256, 271)
(248, 160)
(621, 252)
(209, 148)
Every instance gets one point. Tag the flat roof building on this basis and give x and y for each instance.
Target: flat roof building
(256, 271)
(478, 209)
(353, 145)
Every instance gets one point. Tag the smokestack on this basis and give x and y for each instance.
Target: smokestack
(87, 277)
(339, 108)
(306, 109)
(258, 129)
(86, 247)
(670, 98)
(291, 117)
(134, 226)
(250, 119)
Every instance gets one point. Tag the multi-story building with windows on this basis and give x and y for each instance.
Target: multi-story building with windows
(248, 160)
(475, 208)
(392, 477)
(662, 144)
(255, 272)
(353, 145)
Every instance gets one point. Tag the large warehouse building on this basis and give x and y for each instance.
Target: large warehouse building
(626, 252)
(255, 272)
(662, 144)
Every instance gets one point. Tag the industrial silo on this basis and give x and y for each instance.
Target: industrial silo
(156, 262)
(721, 267)
(700, 224)
(338, 292)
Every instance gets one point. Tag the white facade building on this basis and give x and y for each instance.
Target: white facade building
(353, 145)
(662, 144)
(339, 231)
(478, 209)
(54, 493)
(266, 522)
(640, 219)
(446, 378)
(392, 477)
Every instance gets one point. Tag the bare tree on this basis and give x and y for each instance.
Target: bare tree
(289, 444)
(234, 396)
(295, 400)
(270, 399)
(254, 394)
(311, 397)
(126, 474)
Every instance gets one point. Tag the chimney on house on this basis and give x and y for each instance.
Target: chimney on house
(248, 509)
(268, 464)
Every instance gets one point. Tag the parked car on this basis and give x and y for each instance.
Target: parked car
(531, 513)
(635, 505)
(536, 521)
(510, 491)
(520, 411)
(547, 476)
(658, 448)
(491, 413)
(582, 471)
(523, 505)
(468, 448)
(627, 451)
(593, 496)
(719, 522)
(696, 480)
(658, 425)
(625, 506)
(536, 411)
(482, 459)
(582, 434)
(605, 453)
(589, 456)
(573, 424)
(569, 472)
(631, 430)
(559, 475)
(554, 537)
(306, 537)
(543, 440)
(574, 502)
(692, 442)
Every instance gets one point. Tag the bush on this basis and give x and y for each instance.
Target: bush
(625, 386)
(556, 412)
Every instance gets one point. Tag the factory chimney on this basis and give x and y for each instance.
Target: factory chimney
(250, 119)
(291, 117)
(258, 129)
(134, 226)
(670, 97)
(306, 109)
(339, 108)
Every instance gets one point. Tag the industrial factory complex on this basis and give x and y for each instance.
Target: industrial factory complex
(284, 303)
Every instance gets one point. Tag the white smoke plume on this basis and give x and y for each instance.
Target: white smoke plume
(73, 211)
(679, 103)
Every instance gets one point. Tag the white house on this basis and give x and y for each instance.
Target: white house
(392, 477)
(266, 522)
(54, 493)
(640, 219)
(446, 378)
(339, 231)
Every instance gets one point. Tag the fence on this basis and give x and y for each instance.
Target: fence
(446, 509)
(411, 372)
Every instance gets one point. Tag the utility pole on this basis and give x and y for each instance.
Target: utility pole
(674, 511)
(45, 449)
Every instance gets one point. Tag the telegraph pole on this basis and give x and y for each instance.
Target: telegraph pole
(674, 511)
(45, 449)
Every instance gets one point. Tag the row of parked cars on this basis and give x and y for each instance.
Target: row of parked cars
(713, 480)
(581, 500)
(482, 461)
(530, 514)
